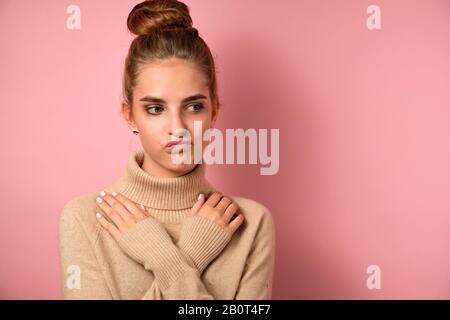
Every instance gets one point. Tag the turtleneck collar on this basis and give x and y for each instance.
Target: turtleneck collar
(175, 193)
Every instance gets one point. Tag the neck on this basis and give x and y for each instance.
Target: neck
(170, 193)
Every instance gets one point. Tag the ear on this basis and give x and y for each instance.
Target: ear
(127, 115)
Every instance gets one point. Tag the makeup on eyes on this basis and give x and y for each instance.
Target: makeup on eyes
(200, 106)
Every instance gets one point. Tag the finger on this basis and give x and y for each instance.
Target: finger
(230, 211)
(197, 205)
(118, 207)
(112, 214)
(146, 214)
(223, 204)
(214, 199)
(132, 207)
(236, 223)
(108, 226)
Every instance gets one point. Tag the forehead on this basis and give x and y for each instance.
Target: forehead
(170, 79)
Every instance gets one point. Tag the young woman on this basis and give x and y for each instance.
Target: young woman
(162, 231)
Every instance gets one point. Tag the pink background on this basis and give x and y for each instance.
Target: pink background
(364, 119)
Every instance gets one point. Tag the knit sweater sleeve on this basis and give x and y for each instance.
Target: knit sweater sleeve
(146, 242)
(176, 276)
(80, 271)
(257, 279)
(178, 270)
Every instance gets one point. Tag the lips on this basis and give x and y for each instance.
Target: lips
(173, 143)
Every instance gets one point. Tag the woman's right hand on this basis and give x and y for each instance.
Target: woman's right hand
(219, 209)
(208, 229)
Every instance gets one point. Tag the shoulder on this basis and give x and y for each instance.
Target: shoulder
(78, 213)
(250, 206)
(257, 215)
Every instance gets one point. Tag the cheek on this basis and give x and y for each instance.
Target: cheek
(205, 122)
(152, 126)
(151, 133)
(197, 131)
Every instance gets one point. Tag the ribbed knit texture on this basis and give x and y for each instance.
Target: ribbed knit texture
(163, 193)
(171, 254)
(201, 239)
(208, 242)
(148, 243)
(168, 199)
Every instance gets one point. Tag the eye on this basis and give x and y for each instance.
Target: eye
(198, 106)
(152, 108)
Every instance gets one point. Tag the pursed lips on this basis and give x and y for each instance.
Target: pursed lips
(170, 145)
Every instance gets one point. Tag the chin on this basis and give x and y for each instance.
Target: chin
(181, 167)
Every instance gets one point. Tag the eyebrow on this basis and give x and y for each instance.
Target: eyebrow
(159, 100)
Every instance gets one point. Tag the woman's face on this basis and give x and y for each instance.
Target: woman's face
(172, 81)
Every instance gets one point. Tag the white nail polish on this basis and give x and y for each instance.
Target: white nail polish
(98, 215)
(102, 193)
(99, 200)
(114, 194)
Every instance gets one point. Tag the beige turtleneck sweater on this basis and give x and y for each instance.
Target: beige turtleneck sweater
(170, 255)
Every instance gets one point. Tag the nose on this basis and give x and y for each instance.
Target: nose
(176, 125)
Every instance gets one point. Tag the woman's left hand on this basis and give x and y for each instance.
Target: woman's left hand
(123, 212)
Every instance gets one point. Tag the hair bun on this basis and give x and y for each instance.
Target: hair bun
(150, 15)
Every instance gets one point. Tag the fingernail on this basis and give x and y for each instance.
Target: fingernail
(199, 196)
(142, 206)
(99, 200)
(98, 215)
(102, 193)
(114, 194)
